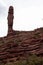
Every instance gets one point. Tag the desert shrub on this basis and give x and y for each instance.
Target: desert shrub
(34, 60)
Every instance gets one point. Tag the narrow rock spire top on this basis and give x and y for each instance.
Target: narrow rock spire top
(10, 19)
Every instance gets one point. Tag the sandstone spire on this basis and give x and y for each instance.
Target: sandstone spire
(10, 19)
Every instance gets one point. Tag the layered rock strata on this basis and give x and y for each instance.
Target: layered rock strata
(19, 44)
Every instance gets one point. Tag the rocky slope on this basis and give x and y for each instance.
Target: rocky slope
(19, 44)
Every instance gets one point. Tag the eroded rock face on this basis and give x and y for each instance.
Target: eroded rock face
(19, 44)
(10, 19)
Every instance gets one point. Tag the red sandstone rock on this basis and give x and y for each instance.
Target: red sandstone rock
(18, 44)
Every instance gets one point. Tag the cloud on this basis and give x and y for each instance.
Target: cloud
(2, 9)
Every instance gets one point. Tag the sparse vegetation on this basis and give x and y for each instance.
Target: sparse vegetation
(31, 60)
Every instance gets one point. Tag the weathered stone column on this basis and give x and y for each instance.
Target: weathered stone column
(10, 19)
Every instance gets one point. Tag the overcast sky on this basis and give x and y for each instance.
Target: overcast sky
(28, 15)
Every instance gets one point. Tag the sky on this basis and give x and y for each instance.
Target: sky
(28, 15)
